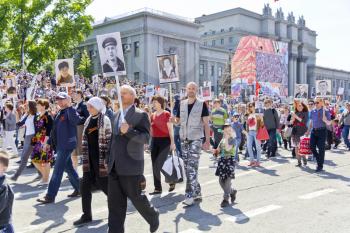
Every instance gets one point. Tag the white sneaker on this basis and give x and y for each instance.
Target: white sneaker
(188, 201)
(42, 183)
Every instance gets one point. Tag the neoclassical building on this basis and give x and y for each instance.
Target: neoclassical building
(204, 44)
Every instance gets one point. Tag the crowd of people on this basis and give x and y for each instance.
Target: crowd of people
(57, 131)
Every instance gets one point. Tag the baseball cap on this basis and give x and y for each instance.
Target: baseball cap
(62, 95)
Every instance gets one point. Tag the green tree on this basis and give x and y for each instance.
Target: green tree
(85, 68)
(39, 31)
(226, 78)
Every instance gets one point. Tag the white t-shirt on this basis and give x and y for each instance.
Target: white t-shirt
(30, 130)
(252, 122)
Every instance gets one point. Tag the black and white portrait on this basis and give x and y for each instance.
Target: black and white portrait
(111, 54)
(62, 89)
(168, 69)
(323, 88)
(301, 91)
(64, 72)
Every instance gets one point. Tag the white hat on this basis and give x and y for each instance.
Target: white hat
(97, 103)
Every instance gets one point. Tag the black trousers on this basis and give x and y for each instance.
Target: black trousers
(218, 134)
(119, 189)
(159, 153)
(318, 140)
(85, 189)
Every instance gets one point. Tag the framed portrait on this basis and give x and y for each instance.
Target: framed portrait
(323, 88)
(64, 69)
(111, 54)
(301, 91)
(149, 91)
(168, 69)
(62, 89)
(206, 93)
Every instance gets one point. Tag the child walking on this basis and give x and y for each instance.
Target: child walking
(6, 196)
(226, 164)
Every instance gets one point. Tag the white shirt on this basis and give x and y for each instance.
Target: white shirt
(30, 125)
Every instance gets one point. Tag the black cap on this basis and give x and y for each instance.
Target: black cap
(109, 41)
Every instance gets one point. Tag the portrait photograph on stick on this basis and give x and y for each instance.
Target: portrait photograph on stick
(111, 54)
(301, 91)
(168, 69)
(65, 72)
(323, 88)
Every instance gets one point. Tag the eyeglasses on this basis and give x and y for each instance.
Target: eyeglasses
(311, 103)
(317, 102)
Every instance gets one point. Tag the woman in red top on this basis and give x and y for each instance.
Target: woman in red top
(162, 141)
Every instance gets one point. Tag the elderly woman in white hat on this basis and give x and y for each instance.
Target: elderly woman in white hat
(96, 137)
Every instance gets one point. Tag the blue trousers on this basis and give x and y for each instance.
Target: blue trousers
(63, 164)
(345, 134)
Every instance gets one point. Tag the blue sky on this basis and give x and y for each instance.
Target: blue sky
(330, 19)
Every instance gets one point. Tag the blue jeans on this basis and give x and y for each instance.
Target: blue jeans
(345, 134)
(8, 228)
(177, 140)
(272, 143)
(63, 163)
(237, 143)
(250, 140)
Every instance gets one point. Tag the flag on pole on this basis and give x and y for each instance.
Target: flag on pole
(257, 88)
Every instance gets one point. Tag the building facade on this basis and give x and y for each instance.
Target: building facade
(204, 45)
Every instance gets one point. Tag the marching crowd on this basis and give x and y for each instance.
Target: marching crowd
(57, 132)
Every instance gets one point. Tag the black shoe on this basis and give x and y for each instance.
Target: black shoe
(304, 161)
(155, 192)
(14, 178)
(82, 220)
(171, 187)
(233, 196)
(76, 193)
(299, 164)
(224, 203)
(45, 200)
(18, 162)
(319, 169)
(155, 225)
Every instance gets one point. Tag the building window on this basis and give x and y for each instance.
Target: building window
(341, 83)
(334, 84)
(222, 30)
(201, 69)
(136, 48)
(212, 71)
(205, 43)
(220, 71)
(137, 76)
(213, 42)
(231, 29)
(205, 33)
(222, 41)
(230, 40)
(213, 32)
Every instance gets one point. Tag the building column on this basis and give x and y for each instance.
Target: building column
(295, 76)
(290, 77)
(305, 72)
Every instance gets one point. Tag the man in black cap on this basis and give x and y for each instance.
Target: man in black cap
(113, 63)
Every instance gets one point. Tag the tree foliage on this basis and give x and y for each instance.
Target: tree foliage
(39, 31)
(85, 66)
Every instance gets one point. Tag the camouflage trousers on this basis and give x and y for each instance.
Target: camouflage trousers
(190, 154)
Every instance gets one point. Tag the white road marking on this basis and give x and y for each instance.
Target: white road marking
(316, 194)
(191, 230)
(19, 195)
(253, 213)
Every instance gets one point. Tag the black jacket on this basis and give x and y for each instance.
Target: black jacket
(126, 152)
(6, 202)
(82, 112)
(108, 68)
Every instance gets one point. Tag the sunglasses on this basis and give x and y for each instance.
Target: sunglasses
(317, 102)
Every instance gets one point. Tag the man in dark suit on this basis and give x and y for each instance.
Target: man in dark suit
(113, 63)
(126, 164)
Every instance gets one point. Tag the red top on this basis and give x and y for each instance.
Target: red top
(159, 125)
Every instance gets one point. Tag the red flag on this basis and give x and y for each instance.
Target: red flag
(257, 88)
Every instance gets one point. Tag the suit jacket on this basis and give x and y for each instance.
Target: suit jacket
(107, 68)
(126, 152)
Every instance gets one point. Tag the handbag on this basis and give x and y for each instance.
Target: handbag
(173, 169)
(262, 134)
(287, 132)
(304, 146)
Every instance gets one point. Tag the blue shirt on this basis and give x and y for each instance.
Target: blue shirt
(238, 127)
(316, 118)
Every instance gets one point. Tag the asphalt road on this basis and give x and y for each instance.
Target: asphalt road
(275, 198)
